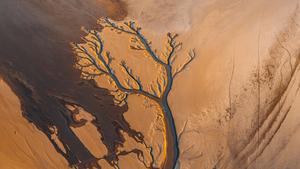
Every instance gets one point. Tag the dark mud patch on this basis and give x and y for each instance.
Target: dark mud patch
(37, 62)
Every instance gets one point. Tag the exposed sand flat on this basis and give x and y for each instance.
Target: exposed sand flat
(21, 144)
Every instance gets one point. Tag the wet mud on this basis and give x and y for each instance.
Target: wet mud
(36, 60)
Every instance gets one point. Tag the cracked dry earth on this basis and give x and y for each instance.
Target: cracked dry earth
(236, 106)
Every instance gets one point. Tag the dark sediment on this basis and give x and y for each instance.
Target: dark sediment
(36, 61)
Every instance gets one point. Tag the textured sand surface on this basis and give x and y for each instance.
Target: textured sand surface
(220, 99)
